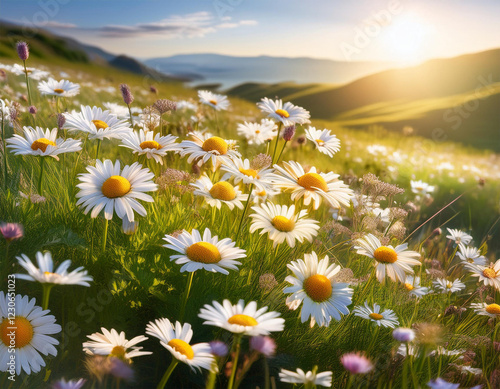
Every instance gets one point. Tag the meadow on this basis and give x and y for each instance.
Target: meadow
(392, 189)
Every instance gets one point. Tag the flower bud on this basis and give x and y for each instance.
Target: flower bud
(23, 50)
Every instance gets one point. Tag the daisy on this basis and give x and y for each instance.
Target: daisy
(221, 192)
(281, 222)
(312, 186)
(34, 74)
(186, 105)
(470, 254)
(176, 340)
(119, 110)
(459, 236)
(421, 188)
(114, 344)
(396, 262)
(386, 318)
(207, 252)
(313, 284)
(71, 384)
(309, 378)
(287, 113)
(98, 124)
(217, 102)
(154, 146)
(242, 170)
(43, 143)
(46, 274)
(205, 147)
(491, 310)
(489, 275)
(32, 327)
(258, 133)
(241, 318)
(114, 190)
(326, 143)
(383, 215)
(62, 88)
(260, 196)
(445, 286)
(412, 284)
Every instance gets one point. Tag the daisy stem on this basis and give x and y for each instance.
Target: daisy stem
(281, 153)
(104, 235)
(4, 154)
(167, 374)
(276, 143)
(132, 119)
(27, 83)
(216, 120)
(40, 179)
(98, 149)
(161, 125)
(244, 211)
(266, 374)
(46, 294)
(236, 344)
(186, 296)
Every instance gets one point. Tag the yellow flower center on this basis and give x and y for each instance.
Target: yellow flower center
(115, 186)
(283, 224)
(494, 309)
(257, 131)
(409, 286)
(489, 273)
(385, 254)
(215, 144)
(118, 352)
(318, 287)
(182, 347)
(375, 316)
(41, 144)
(449, 284)
(100, 124)
(17, 332)
(223, 190)
(243, 320)
(59, 90)
(282, 113)
(150, 144)
(320, 142)
(203, 252)
(312, 181)
(214, 102)
(250, 172)
(263, 193)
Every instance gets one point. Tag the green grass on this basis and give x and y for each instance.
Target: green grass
(135, 282)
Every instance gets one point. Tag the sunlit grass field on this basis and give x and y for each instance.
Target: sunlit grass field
(135, 282)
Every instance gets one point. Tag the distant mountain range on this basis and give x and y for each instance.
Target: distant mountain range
(230, 71)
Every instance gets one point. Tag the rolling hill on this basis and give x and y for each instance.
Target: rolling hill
(457, 99)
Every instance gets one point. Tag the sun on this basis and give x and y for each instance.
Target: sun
(406, 38)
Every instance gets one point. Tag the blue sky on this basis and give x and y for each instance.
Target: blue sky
(390, 30)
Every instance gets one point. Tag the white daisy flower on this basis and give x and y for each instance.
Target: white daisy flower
(445, 286)
(312, 186)
(491, 310)
(63, 88)
(217, 102)
(281, 222)
(153, 146)
(46, 274)
(207, 252)
(186, 105)
(258, 133)
(383, 215)
(114, 344)
(107, 187)
(121, 111)
(221, 192)
(287, 113)
(260, 196)
(421, 188)
(241, 318)
(489, 275)
(325, 142)
(98, 124)
(469, 254)
(309, 378)
(314, 286)
(71, 384)
(176, 340)
(32, 327)
(386, 318)
(241, 170)
(396, 262)
(42, 143)
(459, 236)
(33, 73)
(205, 147)
(412, 285)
